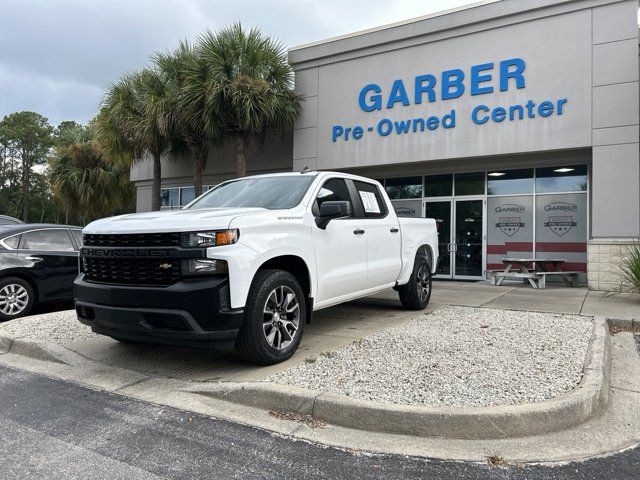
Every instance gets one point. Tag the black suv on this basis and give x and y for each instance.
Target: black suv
(38, 263)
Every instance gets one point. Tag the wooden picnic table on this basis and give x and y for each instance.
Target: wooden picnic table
(534, 271)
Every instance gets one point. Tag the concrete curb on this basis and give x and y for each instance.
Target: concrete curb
(625, 323)
(586, 401)
(48, 352)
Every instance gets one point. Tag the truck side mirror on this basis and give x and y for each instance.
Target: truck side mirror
(332, 209)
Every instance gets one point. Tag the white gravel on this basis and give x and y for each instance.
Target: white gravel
(58, 327)
(457, 356)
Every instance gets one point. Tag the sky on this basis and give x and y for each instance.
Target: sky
(57, 57)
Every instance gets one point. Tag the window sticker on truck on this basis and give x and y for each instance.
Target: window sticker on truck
(370, 202)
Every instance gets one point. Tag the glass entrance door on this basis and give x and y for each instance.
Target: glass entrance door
(469, 232)
(461, 229)
(441, 212)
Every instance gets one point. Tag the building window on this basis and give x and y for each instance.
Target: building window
(469, 183)
(510, 182)
(405, 187)
(178, 197)
(187, 195)
(438, 185)
(561, 229)
(572, 178)
(169, 198)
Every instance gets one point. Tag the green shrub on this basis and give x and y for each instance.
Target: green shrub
(631, 267)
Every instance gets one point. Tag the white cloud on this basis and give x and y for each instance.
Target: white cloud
(57, 57)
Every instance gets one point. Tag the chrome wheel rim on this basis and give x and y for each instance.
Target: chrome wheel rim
(14, 299)
(423, 284)
(281, 317)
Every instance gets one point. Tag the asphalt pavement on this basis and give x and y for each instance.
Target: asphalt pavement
(53, 429)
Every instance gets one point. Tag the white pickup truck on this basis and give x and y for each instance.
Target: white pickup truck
(247, 263)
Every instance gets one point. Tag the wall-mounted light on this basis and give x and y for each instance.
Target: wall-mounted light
(497, 174)
(564, 170)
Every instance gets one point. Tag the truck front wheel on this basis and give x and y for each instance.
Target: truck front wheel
(416, 293)
(275, 314)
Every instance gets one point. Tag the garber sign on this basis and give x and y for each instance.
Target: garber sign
(482, 79)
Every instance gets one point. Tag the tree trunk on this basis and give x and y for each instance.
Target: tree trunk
(241, 168)
(157, 180)
(200, 153)
(25, 190)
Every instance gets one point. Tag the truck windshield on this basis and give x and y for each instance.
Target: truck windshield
(273, 193)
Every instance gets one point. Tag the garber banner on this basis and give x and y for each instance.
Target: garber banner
(427, 89)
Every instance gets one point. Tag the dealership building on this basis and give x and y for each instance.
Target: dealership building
(513, 123)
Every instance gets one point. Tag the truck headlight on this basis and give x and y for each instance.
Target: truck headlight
(210, 239)
(202, 266)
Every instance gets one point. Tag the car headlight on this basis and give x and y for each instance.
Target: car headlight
(198, 266)
(210, 239)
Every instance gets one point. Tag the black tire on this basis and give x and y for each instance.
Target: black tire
(252, 343)
(416, 294)
(15, 288)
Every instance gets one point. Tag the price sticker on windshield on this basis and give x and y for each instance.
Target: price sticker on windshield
(369, 202)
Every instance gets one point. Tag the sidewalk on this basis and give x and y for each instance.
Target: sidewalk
(553, 299)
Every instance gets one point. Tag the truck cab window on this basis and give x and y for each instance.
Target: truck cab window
(372, 201)
(334, 189)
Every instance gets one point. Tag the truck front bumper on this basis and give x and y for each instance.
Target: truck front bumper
(190, 313)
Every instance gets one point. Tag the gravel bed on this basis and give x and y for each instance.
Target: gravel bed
(457, 356)
(58, 327)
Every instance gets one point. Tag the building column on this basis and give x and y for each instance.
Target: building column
(615, 187)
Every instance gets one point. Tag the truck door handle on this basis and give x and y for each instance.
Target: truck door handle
(33, 259)
(394, 230)
(359, 231)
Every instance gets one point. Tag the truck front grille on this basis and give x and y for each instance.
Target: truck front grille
(130, 271)
(133, 240)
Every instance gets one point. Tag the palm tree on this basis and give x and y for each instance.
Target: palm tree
(247, 87)
(87, 185)
(128, 126)
(183, 113)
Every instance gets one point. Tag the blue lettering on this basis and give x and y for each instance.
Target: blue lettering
(418, 123)
(357, 133)
(474, 115)
(477, 79)
(545, 109)
(398, 94)
(403, 126)
(425, 84)
(337, 131)
(449, 120)
(385, 127)
(498, 114)
(513, 109)
(561, 103)
(452, 79)
(375, 100)
(433, 123)
(513, 68)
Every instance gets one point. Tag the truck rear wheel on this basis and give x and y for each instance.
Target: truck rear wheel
(275, 314)
(415, 295)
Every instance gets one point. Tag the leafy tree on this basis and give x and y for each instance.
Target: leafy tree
(182, 112)
(68, 132)
(26, 138)
(87, 185)
(128, 128)
(247, 87)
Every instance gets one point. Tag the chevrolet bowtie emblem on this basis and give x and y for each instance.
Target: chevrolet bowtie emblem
(165, 266)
